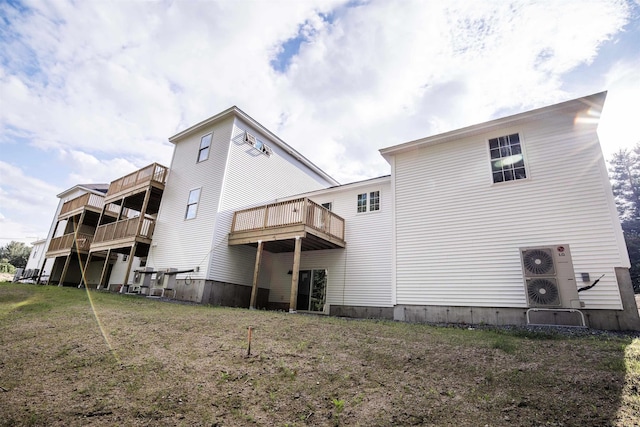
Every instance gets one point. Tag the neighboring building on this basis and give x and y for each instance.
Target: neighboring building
(497, 223)
(76, 213)
(36, 259)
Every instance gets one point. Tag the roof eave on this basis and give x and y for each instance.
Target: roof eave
(592, 101)
(237, 112)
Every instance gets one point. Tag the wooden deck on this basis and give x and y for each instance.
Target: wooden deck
(62, 246)
(153, 175)
(123, 233)
(277, 224)
(89, 201)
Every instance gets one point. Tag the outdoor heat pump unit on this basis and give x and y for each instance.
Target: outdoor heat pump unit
(549, 278)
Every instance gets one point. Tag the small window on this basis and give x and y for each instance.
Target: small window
(374, 201)
(327, 205)
(143, 262)
(257, 144)
(192, 204)
(205, 144)
(362, 202)
(125, 257)
(373, 204)
(507, 159)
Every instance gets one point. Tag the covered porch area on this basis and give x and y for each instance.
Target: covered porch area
(290, 226)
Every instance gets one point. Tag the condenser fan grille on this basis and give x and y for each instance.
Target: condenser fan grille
(542, 292)
(538, 262)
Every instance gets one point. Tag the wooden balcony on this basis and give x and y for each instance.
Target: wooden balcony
(122, 233)
(62, 246)
(277, 224)
(153, 175)
(88, 201)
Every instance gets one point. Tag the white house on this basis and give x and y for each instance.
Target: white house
(505, 222)
(467, 202)
(36, 260)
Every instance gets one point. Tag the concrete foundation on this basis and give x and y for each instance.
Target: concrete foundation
(361, 312)
(232, 295)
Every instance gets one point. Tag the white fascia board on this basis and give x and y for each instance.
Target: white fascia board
(244, 116)
(595, 101)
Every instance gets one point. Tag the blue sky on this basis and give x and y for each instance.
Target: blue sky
(91, 90)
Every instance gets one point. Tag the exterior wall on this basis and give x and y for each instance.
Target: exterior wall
(119, 268)
(360, 274)
(36, 257)
(186, 243)
(252, 178)
(458, 234)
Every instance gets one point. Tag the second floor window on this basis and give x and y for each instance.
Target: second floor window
(507, 159)
(192, 204)
(205, 144)
(362, 202)
(369, 202)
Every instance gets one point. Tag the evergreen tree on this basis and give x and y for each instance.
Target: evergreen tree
(624, 173)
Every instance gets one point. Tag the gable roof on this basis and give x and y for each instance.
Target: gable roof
(99, 189)
(595, 101)
(237, 112)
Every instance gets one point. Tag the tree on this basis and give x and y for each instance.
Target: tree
(15, 253)
(624, 173)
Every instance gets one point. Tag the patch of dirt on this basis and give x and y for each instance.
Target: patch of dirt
(135, 361)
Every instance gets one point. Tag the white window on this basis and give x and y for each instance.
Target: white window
(507, 159)
(362, 202)
(192, 204)
(374, 201)
(205, 144)
(327, 205)
(369, 202)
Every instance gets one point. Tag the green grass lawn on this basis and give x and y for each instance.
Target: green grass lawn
(75, 358)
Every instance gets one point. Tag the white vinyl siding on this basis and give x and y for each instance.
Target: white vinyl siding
(360, 274)
(252, 178)
(187, 244)
(458, 234)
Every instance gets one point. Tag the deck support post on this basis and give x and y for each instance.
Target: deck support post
(294, 275)
(145, 204)
(83, 272)
(256, 272)
(64, 270)
(128, 270)
(104, 270)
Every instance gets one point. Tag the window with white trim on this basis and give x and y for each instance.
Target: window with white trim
(192, 204)
(507, 158)
(205, 144)
(369, 202)
(362, 202)
(374, 201)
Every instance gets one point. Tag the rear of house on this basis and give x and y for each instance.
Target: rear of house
(468, 203)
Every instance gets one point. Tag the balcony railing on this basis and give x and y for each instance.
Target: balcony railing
(123, 229)
(82, 242)
(294, 212)
(88, 199)
(154, 172)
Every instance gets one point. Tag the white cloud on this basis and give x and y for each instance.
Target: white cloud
(106, 83)
(27, 205)
(619, 127)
